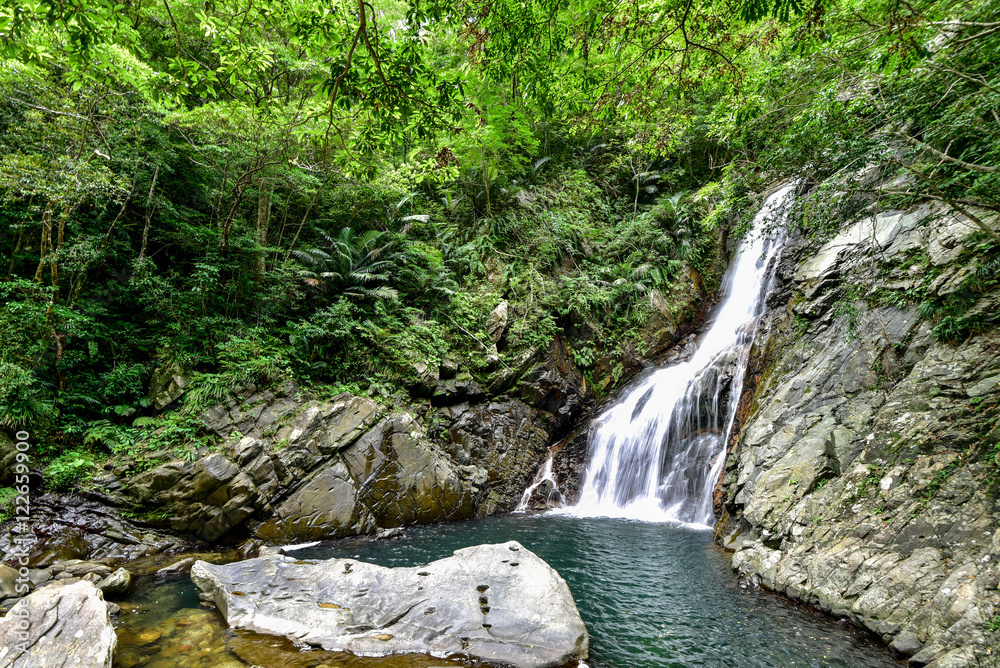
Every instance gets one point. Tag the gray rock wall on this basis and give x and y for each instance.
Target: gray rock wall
(864, 478)
(292, 469)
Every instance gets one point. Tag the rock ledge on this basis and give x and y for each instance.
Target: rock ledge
(500, 603)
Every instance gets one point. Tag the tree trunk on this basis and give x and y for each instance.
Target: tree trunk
(148, 217)
(263, 221)
(227, 225)
(305, 217)
(486, 180)
(17, 249)
(635, 204)
(46, 241)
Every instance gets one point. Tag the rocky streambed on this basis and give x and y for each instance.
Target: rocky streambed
(650, 595)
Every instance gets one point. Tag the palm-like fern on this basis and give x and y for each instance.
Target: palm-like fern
(429, 287)
(354, 264)
(642, 277)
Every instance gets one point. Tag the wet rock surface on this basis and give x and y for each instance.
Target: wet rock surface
(507, 437)
(61, 625)
(864, 479)
(500, 603)
(67, 527)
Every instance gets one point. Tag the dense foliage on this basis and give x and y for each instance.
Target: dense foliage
(254, 190)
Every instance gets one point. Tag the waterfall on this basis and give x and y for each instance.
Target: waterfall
(553, 497)
(656, 454)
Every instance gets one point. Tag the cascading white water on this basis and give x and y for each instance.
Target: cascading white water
(543, 477)
(656, 454)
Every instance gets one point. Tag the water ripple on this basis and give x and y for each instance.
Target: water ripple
(652, 595)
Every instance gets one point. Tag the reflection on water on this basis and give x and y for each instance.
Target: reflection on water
(652, 595)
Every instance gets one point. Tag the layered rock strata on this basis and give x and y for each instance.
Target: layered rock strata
(864, 479)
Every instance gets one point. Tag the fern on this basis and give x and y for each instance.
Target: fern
(103, 432)
(353, 264)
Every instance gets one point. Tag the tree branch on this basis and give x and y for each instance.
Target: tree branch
(977, 35)
(912, 193)
(980, 81)
(944, 156)
(954, 205)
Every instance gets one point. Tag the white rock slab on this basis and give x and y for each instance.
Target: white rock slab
(495, 602)
(58, 626)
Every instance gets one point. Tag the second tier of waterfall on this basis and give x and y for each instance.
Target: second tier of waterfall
(656, 454)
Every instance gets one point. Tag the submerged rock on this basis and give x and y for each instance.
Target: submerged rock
(58, 625)
(118, 582)
(494, 602)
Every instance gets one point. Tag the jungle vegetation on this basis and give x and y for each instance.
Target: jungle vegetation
(252, 191)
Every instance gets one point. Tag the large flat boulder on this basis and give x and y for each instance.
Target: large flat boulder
(499, 603)
(58, 626)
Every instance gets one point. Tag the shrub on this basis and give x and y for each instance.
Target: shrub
(68, 468)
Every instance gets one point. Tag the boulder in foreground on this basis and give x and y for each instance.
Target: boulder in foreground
(58, 626)
(499, 603)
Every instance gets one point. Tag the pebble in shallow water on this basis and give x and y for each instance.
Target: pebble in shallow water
(187, 638)
(159, 637)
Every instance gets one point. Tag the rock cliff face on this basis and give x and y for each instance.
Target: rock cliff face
(292, 470)
(289, 468)
(864, 477)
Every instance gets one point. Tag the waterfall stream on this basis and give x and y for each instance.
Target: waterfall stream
(547, 481)
(656, 454)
